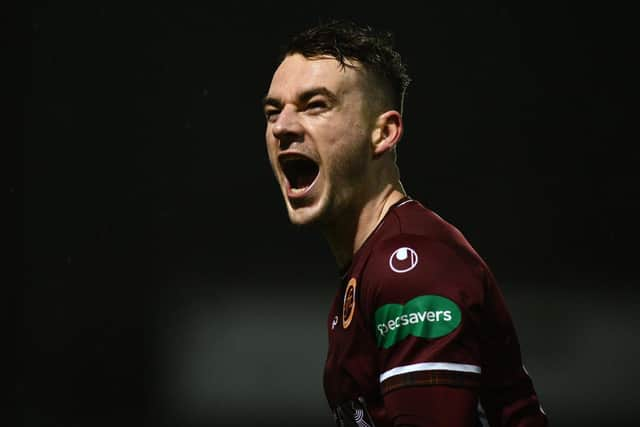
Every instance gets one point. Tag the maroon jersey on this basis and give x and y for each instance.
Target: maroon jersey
(419, 311)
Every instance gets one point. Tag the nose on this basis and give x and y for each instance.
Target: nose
(287, 129)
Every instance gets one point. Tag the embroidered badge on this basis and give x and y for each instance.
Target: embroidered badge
(349, 303)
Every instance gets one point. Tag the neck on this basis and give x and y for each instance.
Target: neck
(348, 234)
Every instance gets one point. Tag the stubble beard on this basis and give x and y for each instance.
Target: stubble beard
(340, 200)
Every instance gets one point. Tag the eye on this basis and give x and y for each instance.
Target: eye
(271, 114)
(317, 105)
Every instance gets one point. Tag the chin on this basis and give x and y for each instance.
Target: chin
(302, 216)
(306, 215)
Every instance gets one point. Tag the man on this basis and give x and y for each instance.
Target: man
(419, 334)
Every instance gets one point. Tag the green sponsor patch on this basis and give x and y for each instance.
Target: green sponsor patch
(426, 316)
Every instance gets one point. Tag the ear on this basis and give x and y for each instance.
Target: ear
(387, 132)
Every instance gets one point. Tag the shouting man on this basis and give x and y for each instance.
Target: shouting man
(419, 333)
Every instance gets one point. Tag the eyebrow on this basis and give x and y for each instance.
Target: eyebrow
(302, 97)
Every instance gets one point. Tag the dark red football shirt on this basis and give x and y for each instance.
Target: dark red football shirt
(419, 333)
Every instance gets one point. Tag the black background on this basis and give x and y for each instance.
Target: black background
(163, 284)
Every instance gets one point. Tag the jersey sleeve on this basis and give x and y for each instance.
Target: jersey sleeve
(424, 301)
(438, 319)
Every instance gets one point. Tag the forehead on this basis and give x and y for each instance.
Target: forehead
(296, 74)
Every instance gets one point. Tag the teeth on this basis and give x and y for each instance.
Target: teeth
(298, 190)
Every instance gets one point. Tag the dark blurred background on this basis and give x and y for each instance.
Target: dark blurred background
(162, 282)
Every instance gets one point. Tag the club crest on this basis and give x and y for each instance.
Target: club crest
(349, 303)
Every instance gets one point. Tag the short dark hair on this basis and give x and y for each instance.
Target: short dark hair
(347, 41)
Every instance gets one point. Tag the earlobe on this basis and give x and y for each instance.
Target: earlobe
(387, 132)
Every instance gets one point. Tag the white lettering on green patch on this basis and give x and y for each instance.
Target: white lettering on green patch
(426, 316)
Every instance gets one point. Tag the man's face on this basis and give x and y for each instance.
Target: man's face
(318, 137)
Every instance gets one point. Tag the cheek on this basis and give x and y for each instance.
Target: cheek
(268, 136)
(269, 142)
(343, 145)
(271, 153)
(349, 157)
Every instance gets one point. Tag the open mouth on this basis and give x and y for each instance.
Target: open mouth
(300, 171)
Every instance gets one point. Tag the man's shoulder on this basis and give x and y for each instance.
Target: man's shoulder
(418, 228)
(417, 259)
(407, 255)
(404, 265)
